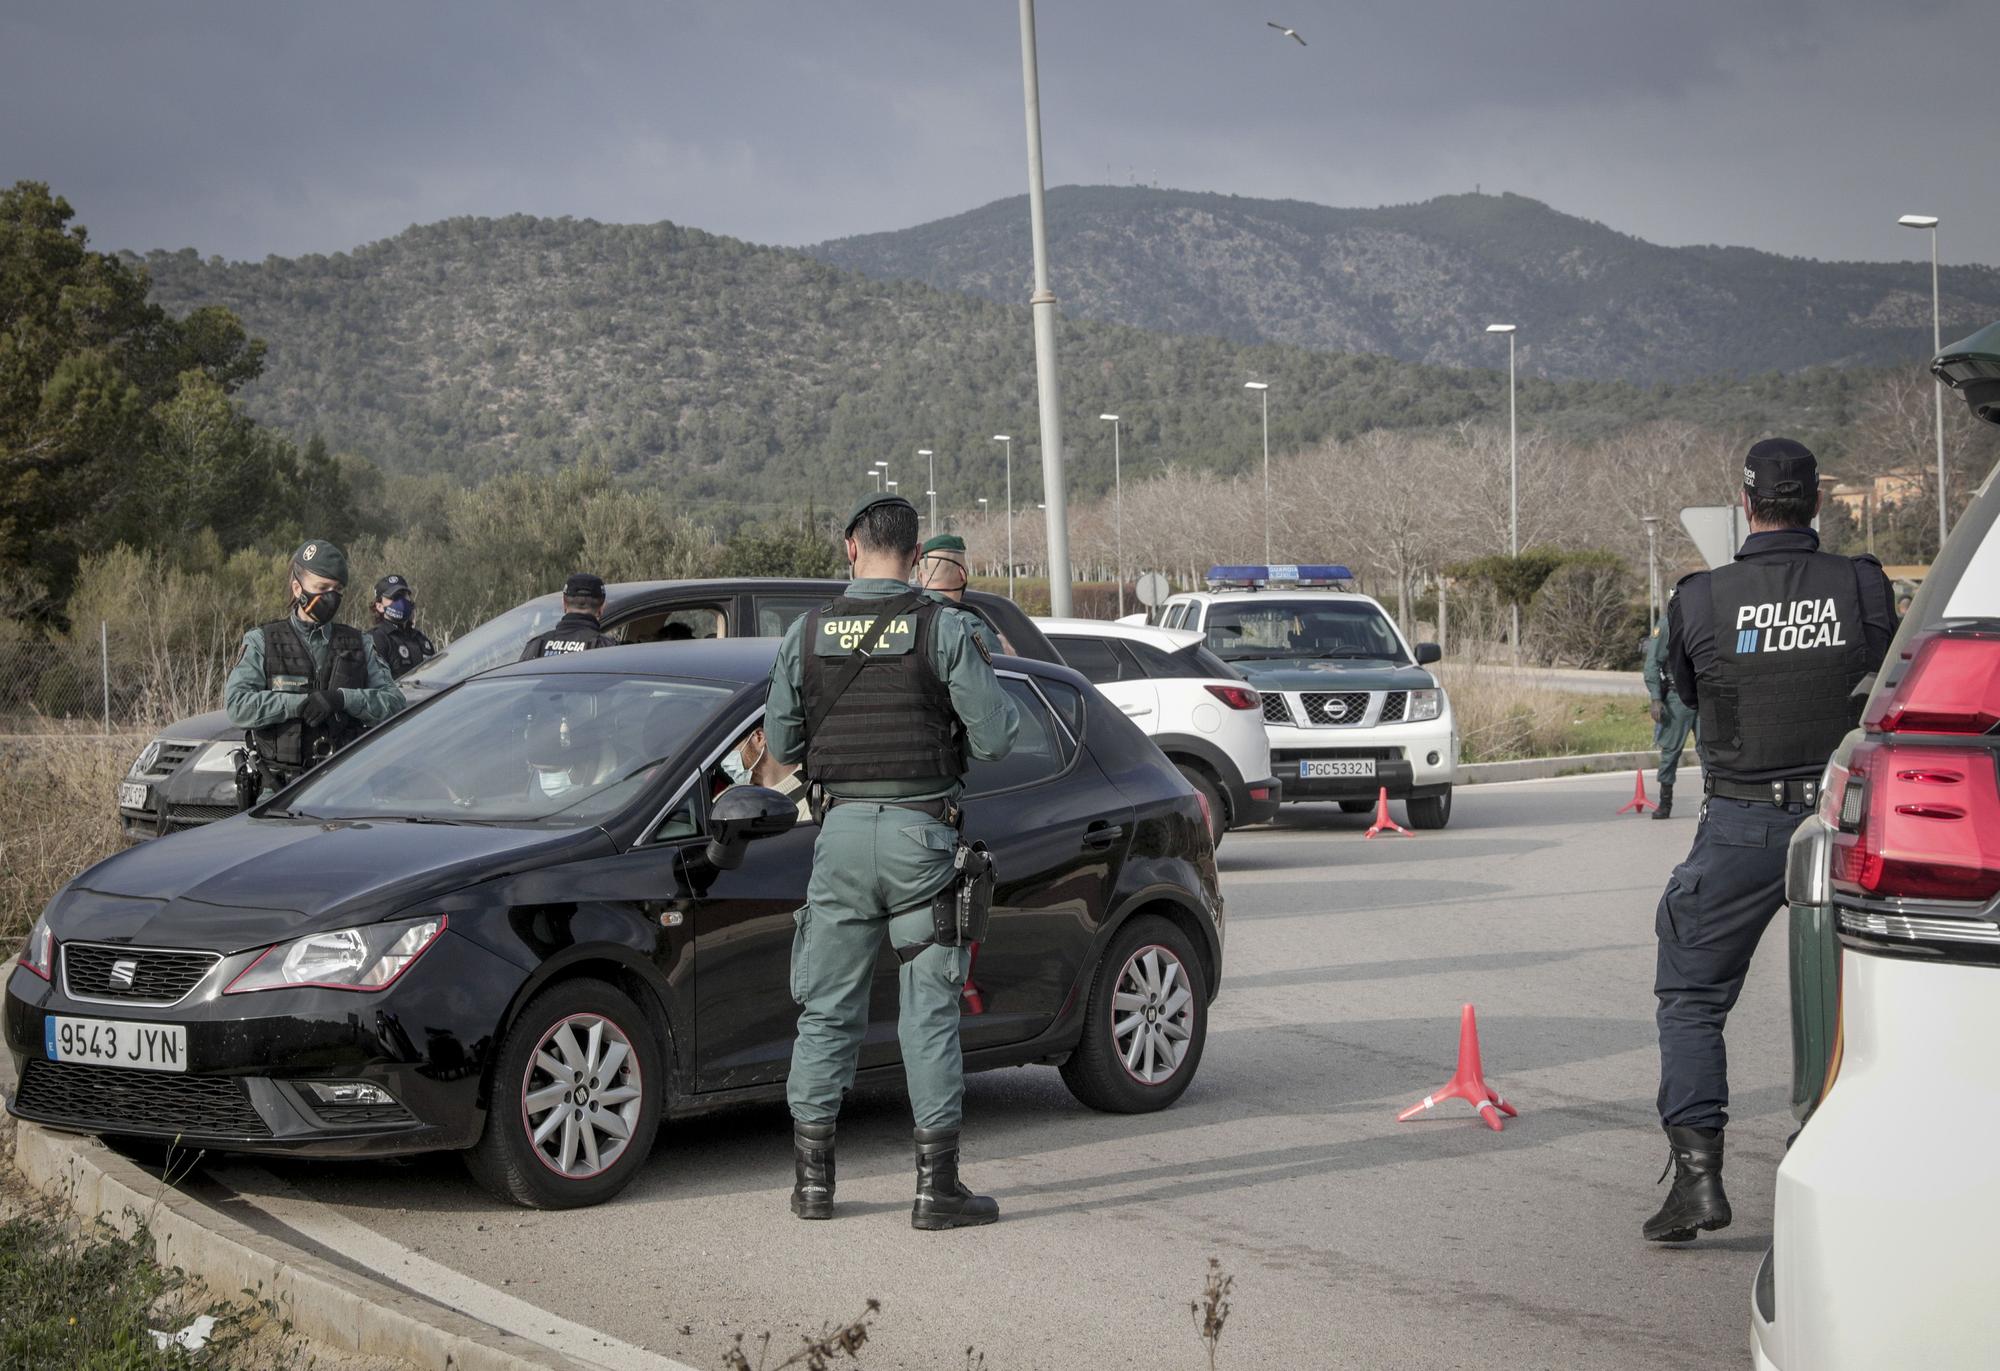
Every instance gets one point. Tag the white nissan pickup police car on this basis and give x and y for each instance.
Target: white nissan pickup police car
(1347, 703)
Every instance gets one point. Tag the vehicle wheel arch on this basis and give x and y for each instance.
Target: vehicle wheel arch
(619, 966)
(1176, 909)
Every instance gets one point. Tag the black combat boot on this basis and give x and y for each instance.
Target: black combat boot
(812, 1154)
(942, 1201)
(1696, 1202)
(1666, 809)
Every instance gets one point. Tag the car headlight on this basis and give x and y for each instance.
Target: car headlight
(38, 954)
(1424, 704)
(148, 755)
(369, 958)
(219, 756)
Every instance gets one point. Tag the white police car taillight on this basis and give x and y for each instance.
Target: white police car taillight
(38, 954)
(1918, 820)
(1424, 704)
(1237, 697)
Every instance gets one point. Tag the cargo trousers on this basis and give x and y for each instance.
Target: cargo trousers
(876, 867)
(1711, 917)
(1670, 735)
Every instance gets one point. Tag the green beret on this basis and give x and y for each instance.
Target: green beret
(944, 542)
(322, 558)
(869, 501)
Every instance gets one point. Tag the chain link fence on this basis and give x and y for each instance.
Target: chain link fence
(104, 681)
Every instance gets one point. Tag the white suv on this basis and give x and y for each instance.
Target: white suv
(1347, 704)
(1194, 707)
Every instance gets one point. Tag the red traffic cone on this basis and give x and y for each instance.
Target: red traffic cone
(1470, 1082)
(1638, 804)
(1383, 823)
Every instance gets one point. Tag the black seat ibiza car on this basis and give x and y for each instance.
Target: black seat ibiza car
(533, 917)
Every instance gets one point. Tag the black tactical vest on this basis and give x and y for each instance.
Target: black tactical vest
(895, 721)
(294, 745)
(401, 649)
(572, 633)
(1790, 646)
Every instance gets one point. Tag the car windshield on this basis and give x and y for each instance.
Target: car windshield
(1270, 629)
(562, 750)
(496, 642)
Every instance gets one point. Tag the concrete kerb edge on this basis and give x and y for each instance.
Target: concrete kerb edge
(1541, 768)
(324, 1302)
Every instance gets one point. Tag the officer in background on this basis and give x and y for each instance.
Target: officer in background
(578, 630)
(394, 635)
(941, 572)
(305, 686)
(1672, 719)
(883, 694)
(1767, 651)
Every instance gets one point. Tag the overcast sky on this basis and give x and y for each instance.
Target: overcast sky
(247, 128)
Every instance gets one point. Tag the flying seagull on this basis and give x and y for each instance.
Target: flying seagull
(1292, 34)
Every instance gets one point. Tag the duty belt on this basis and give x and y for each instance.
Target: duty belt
(1797, 790)
(943, 808)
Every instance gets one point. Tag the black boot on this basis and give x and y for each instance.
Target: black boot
(1666, 809)
(1696, 1202)
(942, 1201)
(812, 1155)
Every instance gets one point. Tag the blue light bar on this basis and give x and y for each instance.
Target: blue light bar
(1252, 577)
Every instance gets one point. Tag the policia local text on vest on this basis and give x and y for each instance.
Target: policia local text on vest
(884, 695)
(1768, 652)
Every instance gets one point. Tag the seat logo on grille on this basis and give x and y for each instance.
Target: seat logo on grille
(123, 972)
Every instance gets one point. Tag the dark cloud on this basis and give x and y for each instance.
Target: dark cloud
(1802, 126)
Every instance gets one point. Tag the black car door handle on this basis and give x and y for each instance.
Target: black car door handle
(1101, 834)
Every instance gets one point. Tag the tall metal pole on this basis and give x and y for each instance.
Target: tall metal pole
(1008, 441)
(1513, 498)
(1937, 346)
(1264, 399)
(1043, 303)
(1652, 522)
(1117, 508)
(104, 664)
(931, 488)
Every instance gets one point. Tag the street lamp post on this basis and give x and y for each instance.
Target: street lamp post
(1652, 523)
(876, 472)
(1930, 221)
(1043, 305)
(1263, 390)
(1008, 441)
(1117, 508)
(932, 489)
(1513, 487)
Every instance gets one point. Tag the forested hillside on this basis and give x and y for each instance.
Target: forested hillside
(1420, 282)
(755, 379)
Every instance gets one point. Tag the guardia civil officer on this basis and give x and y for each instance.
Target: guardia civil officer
(884, 695)
(1767, 651)
(941, 572)
(396, 638)
(1672, 719)
(578, 630)
(306, 686)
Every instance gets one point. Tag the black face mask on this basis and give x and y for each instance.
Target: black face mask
(317, 608)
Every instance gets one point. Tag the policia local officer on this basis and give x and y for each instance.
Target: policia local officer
(1767, 651)
(941, 572)
(578, 630)
(306, 686)
(883, 694)
(394, 634)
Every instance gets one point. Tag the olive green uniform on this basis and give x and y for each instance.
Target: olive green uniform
(981, 631)
(876, 866)
(1670, 733)
(252, 704)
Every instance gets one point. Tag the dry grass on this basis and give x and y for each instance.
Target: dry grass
(1502, 717)
(57, 813)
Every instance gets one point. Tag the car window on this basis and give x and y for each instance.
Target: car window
(777, 613)
(1067, 701)
(1041, 752)
(1320, 628)
(1175, 613)
(1092, 658)
(563, 749)
(496, 642)
(1189, 663)
(679, 623)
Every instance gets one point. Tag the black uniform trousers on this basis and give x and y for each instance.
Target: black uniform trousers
(1713, 914)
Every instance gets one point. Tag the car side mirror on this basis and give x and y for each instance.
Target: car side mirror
(1428, 653)
(743, 813)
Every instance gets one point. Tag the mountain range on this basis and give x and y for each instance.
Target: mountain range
(1420, 283)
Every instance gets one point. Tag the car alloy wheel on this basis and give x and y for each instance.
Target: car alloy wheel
(580, 1096)
(1152, 1012)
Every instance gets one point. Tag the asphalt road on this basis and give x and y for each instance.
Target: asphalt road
(1353, 1241)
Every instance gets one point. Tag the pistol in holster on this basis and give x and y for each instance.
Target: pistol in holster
(961, 911)
(249, 776)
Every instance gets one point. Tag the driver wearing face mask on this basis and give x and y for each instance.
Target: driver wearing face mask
(567, 753)
(305, 685)
(751, 763)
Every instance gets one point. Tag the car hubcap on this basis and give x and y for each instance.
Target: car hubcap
(580, 1098)
(1152, 1015)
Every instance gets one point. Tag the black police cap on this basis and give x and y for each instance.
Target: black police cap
(1780, 467)
(392, 585)
(583, 586)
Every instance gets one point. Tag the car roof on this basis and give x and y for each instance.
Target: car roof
(1167, 639)
(1276, 593)
(620, 591)
(741, 660)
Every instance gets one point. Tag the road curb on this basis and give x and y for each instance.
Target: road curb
(325, 1302)
(1540, 768)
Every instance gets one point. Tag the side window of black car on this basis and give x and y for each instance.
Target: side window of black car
(1067, 701)
(1042, 750)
